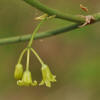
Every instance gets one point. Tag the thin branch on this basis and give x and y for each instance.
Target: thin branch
(60, 15)
(23, 38)
(49, 11)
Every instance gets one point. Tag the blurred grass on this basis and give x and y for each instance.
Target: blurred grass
(74, 56)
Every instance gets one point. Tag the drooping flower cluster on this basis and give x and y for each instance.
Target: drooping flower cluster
(24, 78)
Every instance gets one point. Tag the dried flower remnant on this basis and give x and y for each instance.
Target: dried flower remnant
(42, 17)
(45, 16)
(84, 8)
(88, 20)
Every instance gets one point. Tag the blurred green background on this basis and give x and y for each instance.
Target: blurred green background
(73, 56)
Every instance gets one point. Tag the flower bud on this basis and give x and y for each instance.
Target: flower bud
(18, 71)
(26, 79)
(48, 77)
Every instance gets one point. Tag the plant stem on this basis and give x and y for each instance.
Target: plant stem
(18, 39)
(28, 56)
(50, 11)
(60, 15)
(23, 38)
(34, 33)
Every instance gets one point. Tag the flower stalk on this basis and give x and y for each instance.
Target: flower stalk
(35, 31)
(21, 55)
(28, 57)
(38, 57)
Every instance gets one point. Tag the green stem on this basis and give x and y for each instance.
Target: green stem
(34, 33)
(28, 56)
(23, 38)
(60, 15)
(21, 56)
(38, 57)
(50, 11)
(18, 39)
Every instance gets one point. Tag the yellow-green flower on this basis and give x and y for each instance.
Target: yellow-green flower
(48, 77)
(26, 79)
(18, 71)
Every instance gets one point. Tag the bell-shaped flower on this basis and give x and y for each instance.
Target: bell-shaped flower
(48, 77)
(18, 71)
(26, 80)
